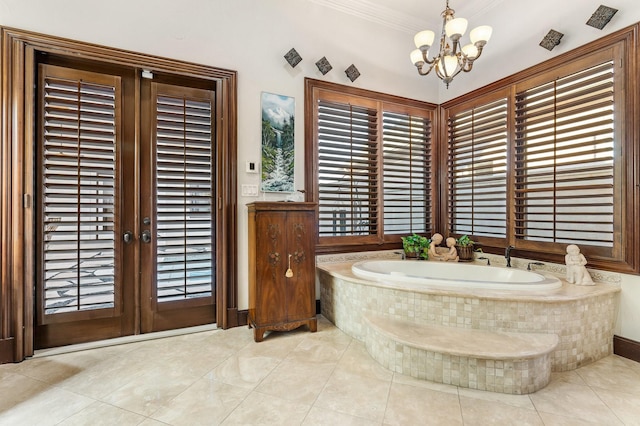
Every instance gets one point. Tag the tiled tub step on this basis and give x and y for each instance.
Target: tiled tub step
(513, 363)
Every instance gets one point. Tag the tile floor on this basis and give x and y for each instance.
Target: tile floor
(295, 378)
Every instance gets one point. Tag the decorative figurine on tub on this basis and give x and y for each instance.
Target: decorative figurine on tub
(576, 271)
(440, 253)
(452, 253)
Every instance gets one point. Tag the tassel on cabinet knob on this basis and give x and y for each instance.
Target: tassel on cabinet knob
(289, 272)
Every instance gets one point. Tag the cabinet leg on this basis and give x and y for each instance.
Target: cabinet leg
(313, 325)
(258, 334)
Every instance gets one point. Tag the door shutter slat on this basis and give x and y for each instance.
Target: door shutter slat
(79, 184)
(184, 202)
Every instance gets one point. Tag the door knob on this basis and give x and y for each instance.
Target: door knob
(146, 236)
(127, 237)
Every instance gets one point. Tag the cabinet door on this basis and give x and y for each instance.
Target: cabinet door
(301, 248)
(271, 257)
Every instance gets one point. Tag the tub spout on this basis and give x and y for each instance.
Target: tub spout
(401, 253)
(507, 255)
(487, 259)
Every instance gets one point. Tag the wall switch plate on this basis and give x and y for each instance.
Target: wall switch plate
(249, 190)
(252, 167)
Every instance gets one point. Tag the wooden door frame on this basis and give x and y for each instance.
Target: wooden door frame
(17, 240)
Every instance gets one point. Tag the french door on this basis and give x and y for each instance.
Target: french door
(125, 211)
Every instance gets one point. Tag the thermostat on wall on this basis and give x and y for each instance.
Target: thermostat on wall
(252, 167)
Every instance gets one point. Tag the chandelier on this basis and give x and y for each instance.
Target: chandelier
(451, 58)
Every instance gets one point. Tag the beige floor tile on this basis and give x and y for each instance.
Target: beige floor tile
(279, 345)
(573, 401)
(412, 381)
(550, 419)
(319, 350)
(261, 409)
(206, 402)
(150, 390)
(324, 417)
(17, 389)
(357, 360)
(610, 373)
(482, 413)
(47, 406)
(55, 369)
(355, 395)
(152, 422)
(521, 401)
(410, 405)
(567, 376)
(104, 377)
(101, 414)
(244, 371)
(297, 381)
(625, 405)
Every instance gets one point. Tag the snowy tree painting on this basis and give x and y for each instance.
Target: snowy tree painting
(277, 143)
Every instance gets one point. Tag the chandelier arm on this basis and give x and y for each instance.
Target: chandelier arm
(479, 52)
(420, 68)
(426, 59)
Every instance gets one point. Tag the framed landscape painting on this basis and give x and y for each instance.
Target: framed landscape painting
(277, 143)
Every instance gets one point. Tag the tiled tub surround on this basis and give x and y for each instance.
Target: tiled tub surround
(581, 316)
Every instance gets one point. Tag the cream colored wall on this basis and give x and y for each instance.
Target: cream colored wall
(251, 36)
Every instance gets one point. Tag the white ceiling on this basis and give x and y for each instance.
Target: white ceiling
(518, 28)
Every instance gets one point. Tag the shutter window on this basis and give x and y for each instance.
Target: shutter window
(79, 188)
(478, 170)
(184, 205)
(347, 170)
(406, 142)
(564, 159)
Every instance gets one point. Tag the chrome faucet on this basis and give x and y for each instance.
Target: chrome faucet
(507, 255)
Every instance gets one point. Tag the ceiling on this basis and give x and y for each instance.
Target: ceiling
(409, 16)
(518, 28)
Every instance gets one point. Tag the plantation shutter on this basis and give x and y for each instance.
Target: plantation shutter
(184, 206)
(478, 170)
(565, 159)
(77, 220)
(406, 142)
(347, 170)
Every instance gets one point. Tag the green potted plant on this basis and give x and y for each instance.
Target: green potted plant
(464, 245)
(416, 246)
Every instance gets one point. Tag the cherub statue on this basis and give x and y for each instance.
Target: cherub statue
(441, 253)
(452, 253)
(576, 271)
(436, 239)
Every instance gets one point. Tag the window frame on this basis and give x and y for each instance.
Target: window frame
(625, 256)
(316, 89)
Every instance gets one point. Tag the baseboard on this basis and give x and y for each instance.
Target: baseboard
(6, 350)
(318, 311)
(626, 348)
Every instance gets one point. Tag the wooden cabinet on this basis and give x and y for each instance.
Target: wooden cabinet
(282, 238)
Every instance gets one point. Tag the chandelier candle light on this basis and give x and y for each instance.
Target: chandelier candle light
(451, 58)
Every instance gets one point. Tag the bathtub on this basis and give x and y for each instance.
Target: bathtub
(583, 317)
(432, 275)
